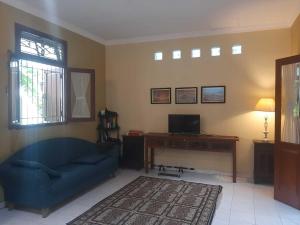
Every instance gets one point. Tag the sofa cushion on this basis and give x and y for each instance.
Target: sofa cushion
(74, 175)
(57, 151)
(78, 176)
(36, 165)
(90, 159)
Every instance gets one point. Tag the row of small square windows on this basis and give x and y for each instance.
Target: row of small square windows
(196, 52)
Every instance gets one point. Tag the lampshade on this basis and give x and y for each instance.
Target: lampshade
(265, 105)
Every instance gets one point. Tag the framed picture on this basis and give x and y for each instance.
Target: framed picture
(213, 94)
(160, 95)
(186, 95)
(81, 94)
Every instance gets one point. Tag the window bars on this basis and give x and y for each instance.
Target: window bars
(37, 79)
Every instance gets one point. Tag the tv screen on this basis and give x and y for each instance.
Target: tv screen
(179, 123)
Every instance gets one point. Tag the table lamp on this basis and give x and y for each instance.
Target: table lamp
(265, 105)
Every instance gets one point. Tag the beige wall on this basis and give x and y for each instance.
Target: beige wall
(82, 53)
(131, 72)
(296, 36)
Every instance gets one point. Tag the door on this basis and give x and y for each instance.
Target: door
(287, 131)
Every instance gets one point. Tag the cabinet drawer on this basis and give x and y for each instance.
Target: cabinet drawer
(157, 142)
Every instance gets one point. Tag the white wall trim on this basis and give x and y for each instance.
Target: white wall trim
(52, 19)
(196, 34)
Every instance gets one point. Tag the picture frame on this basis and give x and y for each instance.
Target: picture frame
(186, 95)
(81, 95)
(160, 95)
(213, 94)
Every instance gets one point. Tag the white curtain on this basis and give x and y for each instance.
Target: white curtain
(290, 121)
(80, 84)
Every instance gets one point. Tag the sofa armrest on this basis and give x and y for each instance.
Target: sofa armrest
(14, 177)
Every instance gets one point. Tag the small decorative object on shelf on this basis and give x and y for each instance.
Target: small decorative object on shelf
(135, 133)
(108, 128)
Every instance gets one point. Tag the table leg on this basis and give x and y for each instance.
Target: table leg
(146, 163)
(152, 158)
(234, 163)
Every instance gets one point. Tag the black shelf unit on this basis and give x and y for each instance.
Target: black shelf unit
(108, 128)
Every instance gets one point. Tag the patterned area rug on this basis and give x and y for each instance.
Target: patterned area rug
(155, 201)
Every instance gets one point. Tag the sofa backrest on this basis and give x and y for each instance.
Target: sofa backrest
(55, 152)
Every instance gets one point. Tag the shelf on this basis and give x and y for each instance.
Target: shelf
(108, 144)
(112, 129)
(108, 127)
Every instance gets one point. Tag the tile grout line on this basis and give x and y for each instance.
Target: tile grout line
(237, 194)
(233, 193)
(276, 208)
(279, 213)
(253, 201)
(254, 194)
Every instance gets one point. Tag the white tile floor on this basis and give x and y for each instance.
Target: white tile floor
(241, 203)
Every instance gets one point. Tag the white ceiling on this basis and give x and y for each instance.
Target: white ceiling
(125, 21)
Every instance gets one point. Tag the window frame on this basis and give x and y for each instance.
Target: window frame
(192, 52)
(174, 54)
(158, 59)
(234, 46)
(215, 48)
(19, 28)
(91, 73)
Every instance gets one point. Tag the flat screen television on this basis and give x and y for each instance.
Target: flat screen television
(184, 124)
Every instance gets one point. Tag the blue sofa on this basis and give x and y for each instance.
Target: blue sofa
(48, 172)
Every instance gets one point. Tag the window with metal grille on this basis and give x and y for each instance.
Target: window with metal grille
(37, 78)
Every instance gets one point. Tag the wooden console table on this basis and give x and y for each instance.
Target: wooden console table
(211, 143)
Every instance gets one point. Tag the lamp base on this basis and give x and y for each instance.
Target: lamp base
(266, 135)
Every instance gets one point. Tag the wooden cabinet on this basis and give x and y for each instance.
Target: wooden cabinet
(263, 162)
(133, 152)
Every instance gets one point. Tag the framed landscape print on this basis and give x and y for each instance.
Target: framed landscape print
(186, 95)
(160, 95)
(213, 94)
(81, 94)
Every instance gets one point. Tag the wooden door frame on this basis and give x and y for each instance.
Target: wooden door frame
(278, 142)
(279, 64)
